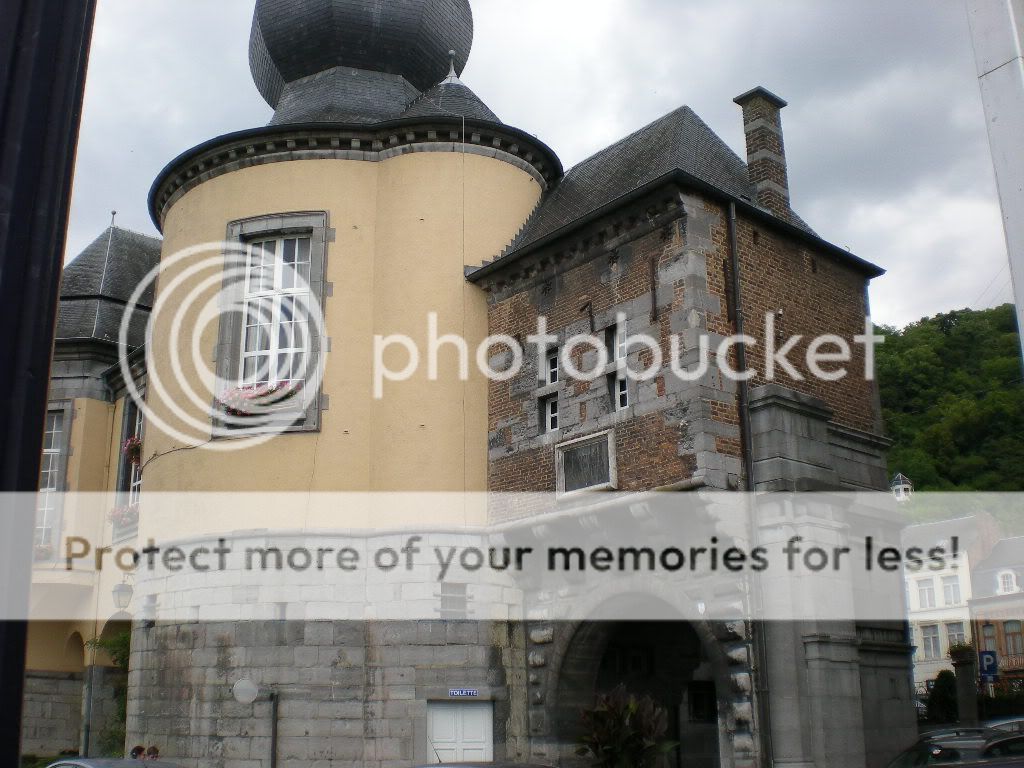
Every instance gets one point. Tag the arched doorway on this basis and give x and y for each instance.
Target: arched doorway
(665, 660)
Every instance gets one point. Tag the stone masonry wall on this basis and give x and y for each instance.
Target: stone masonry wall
(52, 714)
(351, 693)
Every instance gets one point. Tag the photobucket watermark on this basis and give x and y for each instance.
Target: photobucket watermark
(633, 356)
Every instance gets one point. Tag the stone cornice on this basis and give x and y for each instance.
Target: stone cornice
(372, 143)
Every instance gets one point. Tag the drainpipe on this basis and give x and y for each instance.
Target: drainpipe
(746, 440)
(275, 701)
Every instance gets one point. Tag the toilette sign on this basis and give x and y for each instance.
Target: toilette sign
(463, 693)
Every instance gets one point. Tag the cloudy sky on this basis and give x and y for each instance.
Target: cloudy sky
(885, 133)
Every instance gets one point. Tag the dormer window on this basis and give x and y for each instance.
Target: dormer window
(1007, 581)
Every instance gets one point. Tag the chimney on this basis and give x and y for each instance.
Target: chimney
(766, 154)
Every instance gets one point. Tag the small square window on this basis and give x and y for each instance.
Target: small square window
(618, 391)
(552, 367)
(549, 413)
(615, 341)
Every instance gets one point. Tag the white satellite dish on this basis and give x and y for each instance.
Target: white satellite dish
(245, 691)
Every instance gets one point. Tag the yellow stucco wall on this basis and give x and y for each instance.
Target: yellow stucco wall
(405, 229)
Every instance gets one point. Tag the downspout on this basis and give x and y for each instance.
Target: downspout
(746, 440)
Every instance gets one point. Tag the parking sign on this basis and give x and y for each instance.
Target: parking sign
(988, 665)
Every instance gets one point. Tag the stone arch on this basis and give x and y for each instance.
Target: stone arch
(114, 626)
(74, 653)
(564, 658)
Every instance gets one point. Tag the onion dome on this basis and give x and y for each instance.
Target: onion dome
(354, 60)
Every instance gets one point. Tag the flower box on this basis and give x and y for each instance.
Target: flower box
(245, 402)
(125, 516)
(132, 450)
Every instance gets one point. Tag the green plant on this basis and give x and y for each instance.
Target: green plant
(110, 740)
(118, 647)
(956, 649)
(942, 704)
(622, 731)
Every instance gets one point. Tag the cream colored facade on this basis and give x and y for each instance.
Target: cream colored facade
(405, 228)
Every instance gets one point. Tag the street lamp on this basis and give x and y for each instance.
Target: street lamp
(245, 691)
(123, 595)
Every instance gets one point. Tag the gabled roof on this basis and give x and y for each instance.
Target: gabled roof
(98, 283)
(450, 97)
(679, 144)
(678, 141)
(1006, 554)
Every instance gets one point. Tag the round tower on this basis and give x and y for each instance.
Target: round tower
(379, 180)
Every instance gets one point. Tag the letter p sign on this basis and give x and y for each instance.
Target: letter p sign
(988, 665)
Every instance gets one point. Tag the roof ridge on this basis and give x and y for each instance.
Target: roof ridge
(680, 109)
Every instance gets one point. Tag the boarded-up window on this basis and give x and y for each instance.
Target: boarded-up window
(587, 463)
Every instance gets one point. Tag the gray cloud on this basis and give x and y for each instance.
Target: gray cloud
(885, 135)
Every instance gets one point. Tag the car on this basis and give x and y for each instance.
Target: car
(1004, 746)
(953, 745)
(108, 762)
(1012, 724)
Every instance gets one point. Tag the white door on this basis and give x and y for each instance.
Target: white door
(460, 731)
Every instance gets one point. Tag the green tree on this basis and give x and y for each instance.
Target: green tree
(953, 400)
(942, 706)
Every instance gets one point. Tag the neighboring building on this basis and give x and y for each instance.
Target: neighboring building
(937, 601)
(997, 608)
(70, 688)
(402, 193)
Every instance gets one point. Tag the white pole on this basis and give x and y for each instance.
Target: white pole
(997, 29)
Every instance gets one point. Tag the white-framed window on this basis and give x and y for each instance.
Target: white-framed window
(951, 590)
(51, 479)
(551, 367)
(931, 646)
(275, 341)
(266, 339)
(621, 393)
(615, 340)
(549, 413)
(925, 593)
(1007, 582)
(586, 463)
(955, 634)
(129, 482)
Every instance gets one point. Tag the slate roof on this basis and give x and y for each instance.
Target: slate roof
(678, 142)
(1006, 554)
(450, 97)
(98, 282)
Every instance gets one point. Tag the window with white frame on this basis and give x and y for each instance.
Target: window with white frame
(951, 590)
(615, 340)
(124, 519)
(587, 463)
(272, 342)
(931, 646)
(955, 634)
(925, 593)
(1007, 582)
(51, 480)
(276, 344)
(551, 367)
(549, 413)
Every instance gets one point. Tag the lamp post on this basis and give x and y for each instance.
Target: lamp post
(245, 691)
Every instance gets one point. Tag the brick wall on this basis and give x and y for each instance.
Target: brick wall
(668, 273)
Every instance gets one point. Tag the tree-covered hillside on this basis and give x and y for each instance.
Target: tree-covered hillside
(953, 400)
